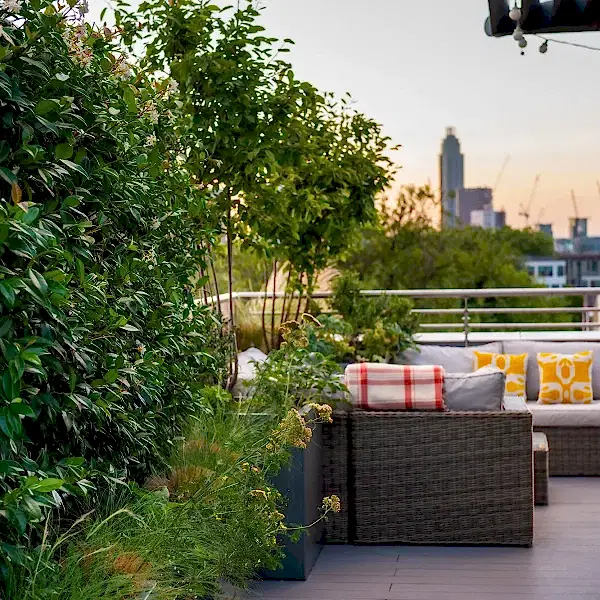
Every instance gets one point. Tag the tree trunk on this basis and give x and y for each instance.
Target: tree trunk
(217, 294)
(299, 299)
(273, 301)
(264, 311)
(230, 262)
(234, 373)
(286, 305)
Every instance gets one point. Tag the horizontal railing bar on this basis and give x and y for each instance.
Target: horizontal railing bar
(499, 311)
(541, 326)
(433, 293)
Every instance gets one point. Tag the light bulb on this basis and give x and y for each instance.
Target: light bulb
(518, 35)
(544, 47)
(515, 14)
(523, 43)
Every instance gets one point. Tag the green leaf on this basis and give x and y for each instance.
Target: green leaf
(22, 410)
(9, 467)
(6, 324)
(111, 376)
(8, 176)
(61, 76)
(129, 98)
(10, 424)
(47, 485)
(80, 270)
(43, 107)
(74, 166)
(63, 151)
(10, 388)
(32, 358)
(142, 160)
(71, 201)
(8, 294)
(38, 281)
(129, 328)
(32, 508)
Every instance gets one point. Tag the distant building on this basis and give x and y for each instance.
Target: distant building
(551, 272)
(546, 228)
(452, 177)
(500, 219)
(563, 246)
(583, 270)
(488, 218)
(470, 200)
(578, 228)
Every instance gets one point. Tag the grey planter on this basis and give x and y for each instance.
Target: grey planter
(302, 484)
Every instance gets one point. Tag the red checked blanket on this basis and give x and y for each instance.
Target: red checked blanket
(378, 386)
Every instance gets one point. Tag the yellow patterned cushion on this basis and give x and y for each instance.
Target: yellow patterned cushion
(566, 378)
(514, 366)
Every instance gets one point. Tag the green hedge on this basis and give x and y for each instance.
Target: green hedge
(103, 349)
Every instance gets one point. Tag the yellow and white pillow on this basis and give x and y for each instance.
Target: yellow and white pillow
(566, 378)
(514, 366)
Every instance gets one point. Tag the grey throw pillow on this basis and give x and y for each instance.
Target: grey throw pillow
(479, 390)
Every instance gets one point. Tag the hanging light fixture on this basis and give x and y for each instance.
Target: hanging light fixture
(544, 47)
(515, 14)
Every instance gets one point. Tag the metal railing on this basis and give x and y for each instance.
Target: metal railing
(470, 323)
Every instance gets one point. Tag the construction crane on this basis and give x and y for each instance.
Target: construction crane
(575, 207)
(501, 173)
(598, 184)
(540, 217)
(525, 211)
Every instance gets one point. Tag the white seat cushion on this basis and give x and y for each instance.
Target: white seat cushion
(565, 415)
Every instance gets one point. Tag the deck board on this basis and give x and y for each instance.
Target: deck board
(564, 562)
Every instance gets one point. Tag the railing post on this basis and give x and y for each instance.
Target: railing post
(466, 320)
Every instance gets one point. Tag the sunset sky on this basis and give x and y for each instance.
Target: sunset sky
(422, 65)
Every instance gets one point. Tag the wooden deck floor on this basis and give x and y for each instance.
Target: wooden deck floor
(563, 564)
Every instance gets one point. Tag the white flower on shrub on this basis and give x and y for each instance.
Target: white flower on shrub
(360, 337)
(151, 112)
(173, 86)
(123, 69)
(150, 141)
(12, 6)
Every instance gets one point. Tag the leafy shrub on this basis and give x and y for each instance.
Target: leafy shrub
(216, 507)
(296, 374)
(103, 349)
(375, 328)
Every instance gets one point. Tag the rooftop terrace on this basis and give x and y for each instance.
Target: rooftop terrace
(562, 564)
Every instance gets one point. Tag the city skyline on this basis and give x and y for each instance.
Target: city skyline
(418, 72)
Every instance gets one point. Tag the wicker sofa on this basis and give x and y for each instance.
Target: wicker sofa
(430, 477)
(573, 431)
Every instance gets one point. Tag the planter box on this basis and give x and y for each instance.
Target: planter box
(302, 484)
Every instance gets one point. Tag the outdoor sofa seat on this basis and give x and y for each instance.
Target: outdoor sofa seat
(573, 431)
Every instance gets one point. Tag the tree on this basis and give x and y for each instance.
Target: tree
(407, 252)
(291, 172)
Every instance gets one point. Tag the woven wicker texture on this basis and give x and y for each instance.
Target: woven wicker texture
(442, 478)
(574, 451)
(335, 475)
(541, 477)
